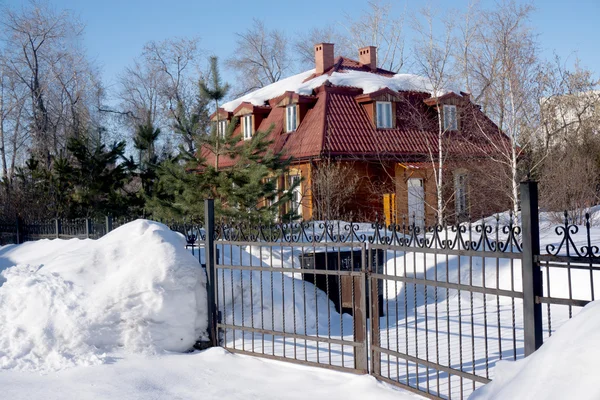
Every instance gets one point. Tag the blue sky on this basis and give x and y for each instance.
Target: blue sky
(117, 30)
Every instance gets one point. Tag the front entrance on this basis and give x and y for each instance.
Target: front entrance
(416, 202)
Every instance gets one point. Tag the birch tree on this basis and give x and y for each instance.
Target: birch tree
(503, 73)
(433, 56)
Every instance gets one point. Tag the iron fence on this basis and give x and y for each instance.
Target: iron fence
(428, 309)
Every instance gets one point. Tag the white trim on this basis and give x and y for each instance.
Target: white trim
(247, 126)
(383, 111)
(222, 128)
(291, 118)
(450, 117)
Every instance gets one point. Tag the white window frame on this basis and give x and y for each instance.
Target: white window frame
(291, 118)
(450, 117)
(461, 200)
(247, 126)
(384, 114)
(222, 128)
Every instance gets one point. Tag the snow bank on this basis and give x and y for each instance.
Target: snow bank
(135, 289)
(367, 81)
(565, 367)
(210, 374)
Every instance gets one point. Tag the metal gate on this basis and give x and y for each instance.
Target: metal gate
(269, 306)
(429, 310)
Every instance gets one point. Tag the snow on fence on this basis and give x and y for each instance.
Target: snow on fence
(429, 309)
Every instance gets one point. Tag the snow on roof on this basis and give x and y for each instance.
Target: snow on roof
(367, 81)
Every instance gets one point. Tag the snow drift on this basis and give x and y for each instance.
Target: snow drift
(136, 289)
(565, 367)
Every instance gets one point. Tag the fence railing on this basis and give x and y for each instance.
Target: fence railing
(428, 309)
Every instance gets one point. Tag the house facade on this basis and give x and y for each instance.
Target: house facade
(366, 143)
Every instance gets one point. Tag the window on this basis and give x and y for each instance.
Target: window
(247, 126)
(384, 114)
(222, 128)
(291, 118)
(295, 186)
(450, 118)
(460, 188)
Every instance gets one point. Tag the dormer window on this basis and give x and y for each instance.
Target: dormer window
(450, 118)
(384, 114)
(291, 118)
(247, 126)
(222, 128)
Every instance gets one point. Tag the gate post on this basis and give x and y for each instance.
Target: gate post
(88, 228)
(531, 272)
(209, 251)
(19, 230)
(374, 311)
(109, 223)
(359, 315)
(58, 227)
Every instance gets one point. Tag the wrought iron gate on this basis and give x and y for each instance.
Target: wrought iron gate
(429, 310)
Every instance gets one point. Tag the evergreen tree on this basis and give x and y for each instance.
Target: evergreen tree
(246, 190)
(216, 92)
(145, 143)
(99, 179)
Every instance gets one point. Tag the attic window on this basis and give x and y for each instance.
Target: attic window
(291, 118)
(222, 128)
(384, 114)
(450, 118)
(247, 126)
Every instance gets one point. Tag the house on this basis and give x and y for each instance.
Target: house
(364, 141)
(566, 117)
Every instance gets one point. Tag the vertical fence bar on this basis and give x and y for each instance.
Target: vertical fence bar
(532, 275)
(19, 230)
(374, 311)
(209, 249)
(58, 227)
(88, 228)
(109, 223)
(360, 315)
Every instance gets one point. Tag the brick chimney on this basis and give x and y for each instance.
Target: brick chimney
(323, 57)
(368, 56)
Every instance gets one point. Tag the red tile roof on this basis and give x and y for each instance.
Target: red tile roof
(337, 125)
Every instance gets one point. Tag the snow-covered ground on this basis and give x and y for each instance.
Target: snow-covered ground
(458, 329)
(115, 317)
(85, 312)
(565, 367)
(212, 374)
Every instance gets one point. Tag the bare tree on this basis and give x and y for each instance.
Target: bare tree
(140, 92)
(261, 57)
(305, 49)
(41, 46)
(376, 27)
(13, 135)
(504, 66)
(433, 60)
(566, 146)
(176, 62)
(334, 184)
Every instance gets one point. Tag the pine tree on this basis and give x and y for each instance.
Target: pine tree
(246, 190)
(99, 175)
(216, 92)
(145, 143)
